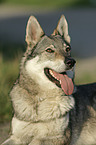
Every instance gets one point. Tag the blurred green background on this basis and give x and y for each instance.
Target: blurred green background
(51, 3)
(10, 54)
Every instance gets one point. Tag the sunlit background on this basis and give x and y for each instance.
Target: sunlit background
(81, 17)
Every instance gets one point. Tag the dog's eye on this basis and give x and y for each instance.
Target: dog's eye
(68, 49)
(49, 50)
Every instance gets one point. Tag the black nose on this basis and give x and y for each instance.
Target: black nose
(70, 62)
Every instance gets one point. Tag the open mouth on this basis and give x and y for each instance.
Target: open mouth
(61, 80)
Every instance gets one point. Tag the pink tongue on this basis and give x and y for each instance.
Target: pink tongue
(66, 83)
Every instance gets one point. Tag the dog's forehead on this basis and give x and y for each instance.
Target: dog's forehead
(46, 41)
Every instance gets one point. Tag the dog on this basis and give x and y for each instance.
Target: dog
(48, 108)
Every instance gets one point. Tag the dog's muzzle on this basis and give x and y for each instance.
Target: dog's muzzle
(70, 62)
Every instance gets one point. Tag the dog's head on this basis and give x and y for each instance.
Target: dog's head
(49, 62)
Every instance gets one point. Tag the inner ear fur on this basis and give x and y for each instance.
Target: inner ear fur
(34, 31)
(62, 29)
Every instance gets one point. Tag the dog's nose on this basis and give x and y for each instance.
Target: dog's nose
(70, 62)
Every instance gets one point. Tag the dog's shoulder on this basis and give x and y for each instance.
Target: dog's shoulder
(86, 94)
(85, 99)
(83, 116)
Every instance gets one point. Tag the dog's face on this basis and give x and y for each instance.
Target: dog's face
(49, 60)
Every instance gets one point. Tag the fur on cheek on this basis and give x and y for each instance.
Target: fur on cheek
(35, 69)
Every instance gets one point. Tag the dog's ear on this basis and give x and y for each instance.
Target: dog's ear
(62, 29)
(34, 31)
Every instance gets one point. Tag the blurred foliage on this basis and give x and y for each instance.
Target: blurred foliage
(83, 3)
(51, 3)
(85, 71)
(2, 1)
(8, 74)
(11, 51)
(10, 56)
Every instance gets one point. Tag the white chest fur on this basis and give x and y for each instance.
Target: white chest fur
(41, 130)
(52, 120)
(55, 107)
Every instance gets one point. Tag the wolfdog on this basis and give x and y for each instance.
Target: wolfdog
(48, 108)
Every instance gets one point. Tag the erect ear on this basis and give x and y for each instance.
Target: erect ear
(34, 31)
(62, 29)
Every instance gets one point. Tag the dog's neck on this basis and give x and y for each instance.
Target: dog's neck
(47, 97)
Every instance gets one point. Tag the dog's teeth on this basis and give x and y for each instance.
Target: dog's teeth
(50, 71)
(55, 78)
(52, 74)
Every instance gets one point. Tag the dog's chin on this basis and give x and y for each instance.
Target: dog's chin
(51, 77)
